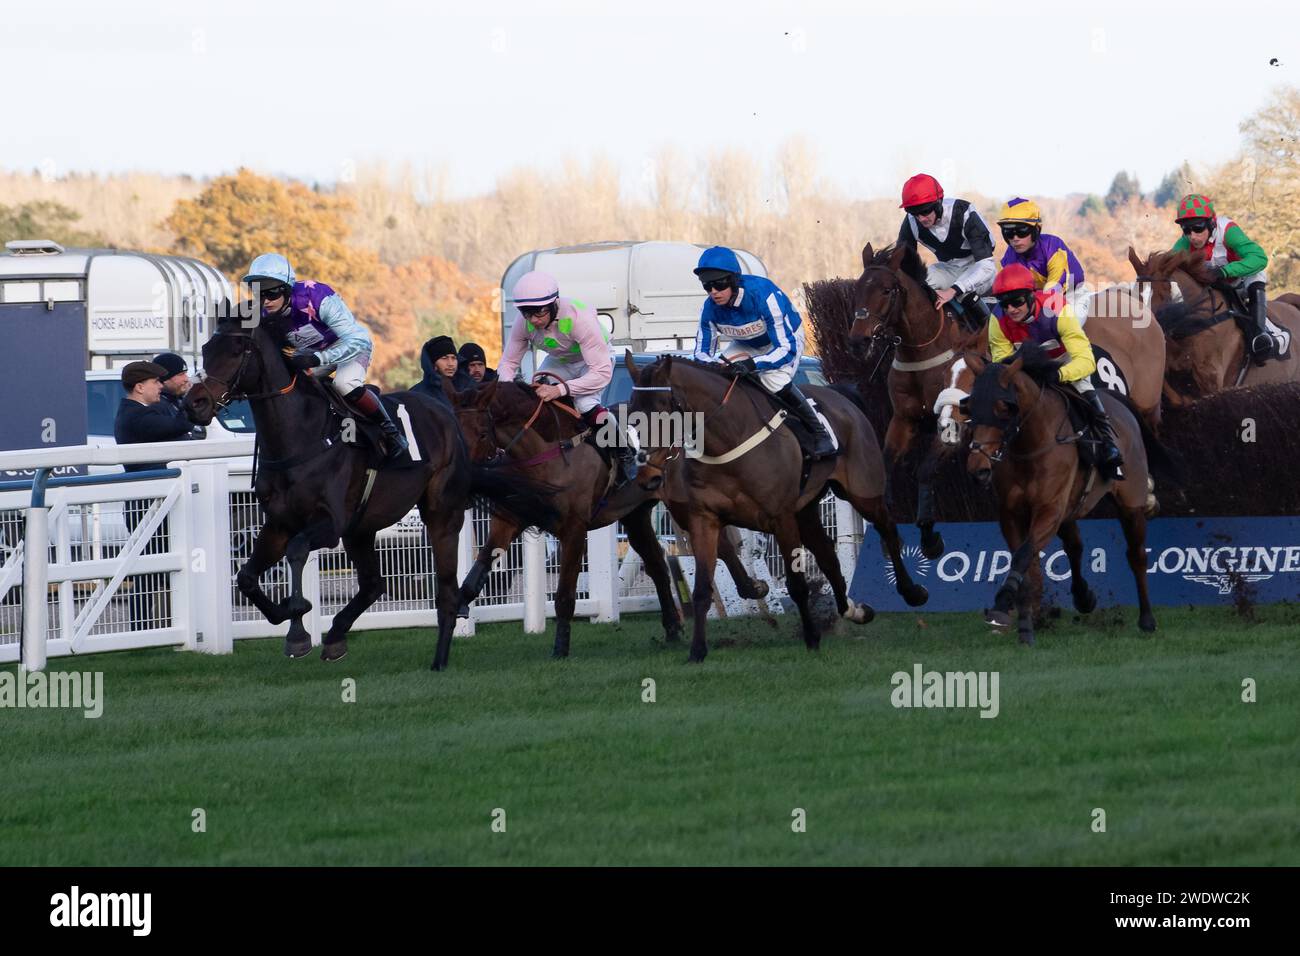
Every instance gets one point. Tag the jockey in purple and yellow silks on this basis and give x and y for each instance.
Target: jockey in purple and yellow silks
(1053, 264)
(1028, 316)
(322, 333)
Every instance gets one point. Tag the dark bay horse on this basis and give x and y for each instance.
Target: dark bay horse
(313, 471)
(509, 428)
(1206, 349)
(894, 315)
(1023, 444)
(746, 470)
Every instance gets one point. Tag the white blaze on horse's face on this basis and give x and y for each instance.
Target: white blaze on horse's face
(946, 404)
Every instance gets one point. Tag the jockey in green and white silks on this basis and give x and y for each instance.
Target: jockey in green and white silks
(751, 323)
(322, 333)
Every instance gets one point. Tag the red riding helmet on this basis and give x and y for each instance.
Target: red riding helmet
(1195, 206)
(1014, 278)
(921, 189)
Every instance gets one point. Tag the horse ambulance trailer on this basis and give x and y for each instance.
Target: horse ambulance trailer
(645, 293)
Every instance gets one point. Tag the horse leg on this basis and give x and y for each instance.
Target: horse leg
(370, 586)
(642, 539)
(319, 534)
(787, 537)
(746, 586)
(814, 537)
(931, 541)
(898, 437)
(1134, 521)
(704, 543)
(573, 545)
(1013, 533)
(876, 511)
(1085, 600)
(1042, 527)
(268, 548)
(500, 534)
(444, 524)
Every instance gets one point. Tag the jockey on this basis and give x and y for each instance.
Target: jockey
(1024, 318)
(1055, 268)
(959, 238)
(577, 352)
(1236, 261)
(322, 333)
(764, 331)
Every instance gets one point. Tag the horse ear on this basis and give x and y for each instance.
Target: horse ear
(1138, 265)
(1017, 364)
(867, 255)
(630, 364)
(896, 260)
(449, 390)
(974, 361)
(485, 393)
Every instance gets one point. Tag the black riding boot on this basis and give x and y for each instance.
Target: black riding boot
(367, 403)
(823, 447)
(1262, 344)
(623, 453)
(1109, 459)
(977, 313)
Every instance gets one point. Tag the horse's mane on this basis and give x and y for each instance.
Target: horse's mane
(1191, 261)
(522, 400)
(911, 265)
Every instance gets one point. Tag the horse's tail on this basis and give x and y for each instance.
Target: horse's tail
(505, 491)
(1162, 461)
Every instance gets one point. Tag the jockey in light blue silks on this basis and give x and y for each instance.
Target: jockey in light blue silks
(762, 332)
(322, 333)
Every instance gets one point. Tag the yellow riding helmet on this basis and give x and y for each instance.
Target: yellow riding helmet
(1021, 210)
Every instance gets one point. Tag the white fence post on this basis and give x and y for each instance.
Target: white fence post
(465, 626)
(207, 508)
(534, 582)
(36, 557)
(602, 572)
(311, 591)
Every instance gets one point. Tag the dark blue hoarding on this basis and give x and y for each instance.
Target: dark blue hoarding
(1189, 561)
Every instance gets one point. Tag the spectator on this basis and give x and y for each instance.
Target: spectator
(142, 417)
(439, 361)
(474, 362)
(175, 385)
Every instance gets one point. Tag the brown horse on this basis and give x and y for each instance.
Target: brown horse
(748, 471)
(509, 428)
(1023, 444)
(317, 483)
(1206, 348)
(894, 311)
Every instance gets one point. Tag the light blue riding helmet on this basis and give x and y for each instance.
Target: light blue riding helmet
(270, 267)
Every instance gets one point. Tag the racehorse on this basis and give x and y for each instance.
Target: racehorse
(746, 470)
(1024, 444)
(509, 428)
(316, 480)
(894, 311)
(1206, 352)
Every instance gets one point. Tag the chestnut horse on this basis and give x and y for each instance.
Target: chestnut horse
(508, 428)
(894, 311)
(1023, 444)
(1206, 348)
(747, 470)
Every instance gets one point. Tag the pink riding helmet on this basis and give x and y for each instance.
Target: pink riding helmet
(536, 288)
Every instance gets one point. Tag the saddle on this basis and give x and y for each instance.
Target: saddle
(371, 437)
(1083, 423)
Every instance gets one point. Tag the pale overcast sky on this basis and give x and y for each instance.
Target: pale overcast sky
(1042, 98)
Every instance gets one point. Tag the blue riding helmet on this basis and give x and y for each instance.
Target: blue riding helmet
(270, 267)
(719, 259)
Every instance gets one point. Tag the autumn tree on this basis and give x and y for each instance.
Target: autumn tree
(242, 216)
(45, 219)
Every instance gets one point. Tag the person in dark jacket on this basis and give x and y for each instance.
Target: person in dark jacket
(439, 361)
(175, 386)
(474, 361)
(143, 417)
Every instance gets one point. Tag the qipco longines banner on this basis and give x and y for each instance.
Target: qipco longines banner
(1188, 561)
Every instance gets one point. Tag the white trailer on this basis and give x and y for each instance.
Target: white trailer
(646, 293)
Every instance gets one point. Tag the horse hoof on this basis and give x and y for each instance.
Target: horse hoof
(760, 590)
(814, 645)
(1147, 622)
(916, 595)
(1152, 506)
(559, 655)
(1087, 603)
(435, 666)
(999, 619)
(932, 547)
(672, 635)
(696, 657)
(858, 613)
(297, 648)
(1027, 639)
(336, 651)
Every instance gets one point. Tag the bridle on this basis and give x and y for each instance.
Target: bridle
(228, 391)
(1011, 430)
(884, 336)
(499, 457)
(674, 451)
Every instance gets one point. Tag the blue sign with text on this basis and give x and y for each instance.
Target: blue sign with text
(1188, 561)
